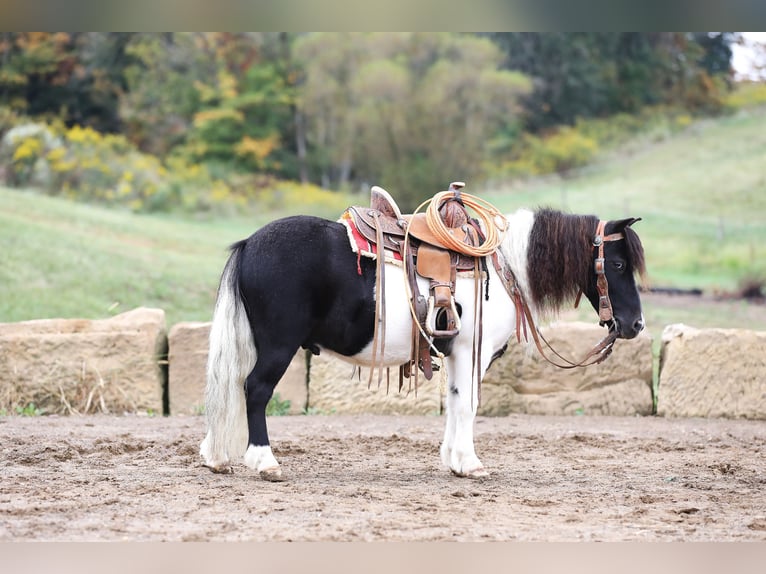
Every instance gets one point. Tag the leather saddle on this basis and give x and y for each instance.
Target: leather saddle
(428, 256)
(384, 212)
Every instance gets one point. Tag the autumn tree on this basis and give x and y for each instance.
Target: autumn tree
(76, 77)
(410, 111)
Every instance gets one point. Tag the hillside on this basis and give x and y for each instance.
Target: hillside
(701, 193)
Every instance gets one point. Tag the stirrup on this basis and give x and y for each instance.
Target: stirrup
(437, 333)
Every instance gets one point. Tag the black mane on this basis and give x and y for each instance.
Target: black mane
(559, 257)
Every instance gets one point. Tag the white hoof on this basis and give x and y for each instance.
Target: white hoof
(261, 458)
(476, 473)
(272, 475)
(224, 468)
(219, 464)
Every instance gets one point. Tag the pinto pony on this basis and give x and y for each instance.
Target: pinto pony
(296, 283)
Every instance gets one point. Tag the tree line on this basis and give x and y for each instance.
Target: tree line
(410, 111)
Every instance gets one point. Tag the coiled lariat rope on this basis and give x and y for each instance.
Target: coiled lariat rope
(495, 223)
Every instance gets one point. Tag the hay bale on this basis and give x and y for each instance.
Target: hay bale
(187, 357)
(85, 366)
(522, 381)
(332, 389)
(712, 373)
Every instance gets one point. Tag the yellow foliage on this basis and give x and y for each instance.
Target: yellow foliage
(56, 154)
(683, 120)
(82, 164)
(82, 135)
(565, 149)
(746, 94)
(29, 148)
(220, 191)
(294, 196)
(208, 116)
(258, 149)
(206, 93)
(62, 166)
(124, 188)
(227, 84)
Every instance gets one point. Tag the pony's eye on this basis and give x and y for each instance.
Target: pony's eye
(618, 265)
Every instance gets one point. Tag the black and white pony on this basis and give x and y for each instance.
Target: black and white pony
(296, 283)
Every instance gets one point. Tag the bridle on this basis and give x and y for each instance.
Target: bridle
(605, 313)
(603, 348)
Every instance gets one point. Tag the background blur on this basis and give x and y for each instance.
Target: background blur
(128, 161)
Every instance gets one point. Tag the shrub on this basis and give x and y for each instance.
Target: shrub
(746, 95)
(80, 163)
(567, 148)
(83, 164)
(23, 149)
(559, 152)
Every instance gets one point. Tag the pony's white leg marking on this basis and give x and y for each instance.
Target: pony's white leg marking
(261, 458)
(449, 435)
(457, 450)
(231, 358)
(460, 456)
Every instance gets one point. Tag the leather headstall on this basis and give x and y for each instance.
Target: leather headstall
(605, 313)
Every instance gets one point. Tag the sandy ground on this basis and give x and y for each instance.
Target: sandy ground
(379, 478)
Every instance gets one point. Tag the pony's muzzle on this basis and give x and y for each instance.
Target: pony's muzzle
(629, 332)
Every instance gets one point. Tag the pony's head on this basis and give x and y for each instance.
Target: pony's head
(569, 255)
(617, 257)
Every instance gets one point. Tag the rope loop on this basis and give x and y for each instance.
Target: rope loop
(495, 224)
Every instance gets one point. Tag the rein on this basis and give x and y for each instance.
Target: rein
(600, 350)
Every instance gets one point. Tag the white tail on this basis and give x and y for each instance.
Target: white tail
(231, 358)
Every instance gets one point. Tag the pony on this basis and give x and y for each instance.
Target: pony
(296, 283)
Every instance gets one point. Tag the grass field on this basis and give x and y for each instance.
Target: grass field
(701, 193)
(64, 259)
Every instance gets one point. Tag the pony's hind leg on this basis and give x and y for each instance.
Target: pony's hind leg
(261, 382)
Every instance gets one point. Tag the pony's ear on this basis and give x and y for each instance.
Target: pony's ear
(620, 224)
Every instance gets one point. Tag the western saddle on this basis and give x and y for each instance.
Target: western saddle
(425, 254)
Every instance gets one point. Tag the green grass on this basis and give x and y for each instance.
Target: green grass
(65, 259)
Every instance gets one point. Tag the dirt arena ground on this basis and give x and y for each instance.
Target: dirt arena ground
(379, 478)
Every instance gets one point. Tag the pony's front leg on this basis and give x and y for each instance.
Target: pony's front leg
(457, 450)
